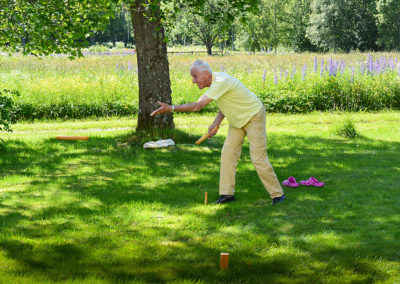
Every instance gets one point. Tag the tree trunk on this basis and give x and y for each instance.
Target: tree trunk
(153, 68)
(209, 48)
(233, 40)
(125, 26)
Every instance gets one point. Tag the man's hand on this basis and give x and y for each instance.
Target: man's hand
(163, 109)
(212, 130)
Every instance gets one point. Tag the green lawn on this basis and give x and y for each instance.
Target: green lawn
(102, 211)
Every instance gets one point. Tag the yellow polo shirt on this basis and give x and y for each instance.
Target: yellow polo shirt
(233, 99)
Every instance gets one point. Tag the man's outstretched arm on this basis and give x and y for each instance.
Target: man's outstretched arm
(203, 101)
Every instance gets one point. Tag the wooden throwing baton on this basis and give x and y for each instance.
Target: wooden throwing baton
(60, 137)
(205, 136)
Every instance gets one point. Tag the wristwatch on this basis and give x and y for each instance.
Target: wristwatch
(173, 108)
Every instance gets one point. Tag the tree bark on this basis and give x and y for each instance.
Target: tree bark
(153, 67)
(209, 48)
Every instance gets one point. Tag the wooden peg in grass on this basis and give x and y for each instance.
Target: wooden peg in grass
(224, 260)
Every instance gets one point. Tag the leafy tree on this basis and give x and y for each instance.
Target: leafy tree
(341, 25)
(267, 28)
(366, 27)
(206, 25)
(179, 33)
(153, 67)
(280, 22)
(256, 30)
(389, 23)
(299, 18)
(44, 27)
(6, 107)
(119, 29)
(211, 22)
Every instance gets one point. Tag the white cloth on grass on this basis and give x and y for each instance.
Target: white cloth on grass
(159, 144)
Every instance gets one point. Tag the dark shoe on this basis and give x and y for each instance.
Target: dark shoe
(224, 199)
(278, 199)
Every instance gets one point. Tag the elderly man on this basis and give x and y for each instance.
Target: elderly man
(246, 116)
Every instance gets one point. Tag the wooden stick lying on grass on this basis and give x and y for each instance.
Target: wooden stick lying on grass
(60, 137)
(205, 136)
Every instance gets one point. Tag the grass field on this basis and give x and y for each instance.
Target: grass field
(113, 78)
(104, 211)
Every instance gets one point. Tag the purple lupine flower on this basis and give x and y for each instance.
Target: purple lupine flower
(264, 75)
(352, 73)
(370, 64)
(391, 63)
(129, 66)
(322, 67)
(276, 79)
(281, 73)
(362, 68)
(383, 63)
(343, 66)
(334, 65)
(116, 67)
(222, 68)
(399, 70)
(293, 72)
(337, 66)
(304, 72)
(285, 74)
(377, 66)
(315, 64)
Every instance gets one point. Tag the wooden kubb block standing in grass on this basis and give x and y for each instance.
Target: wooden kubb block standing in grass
(224, 260)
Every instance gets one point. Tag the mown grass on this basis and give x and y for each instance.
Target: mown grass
(103, 211)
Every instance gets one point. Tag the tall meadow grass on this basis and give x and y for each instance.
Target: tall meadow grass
(107, 84)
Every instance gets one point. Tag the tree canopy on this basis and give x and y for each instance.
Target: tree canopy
(43, 27)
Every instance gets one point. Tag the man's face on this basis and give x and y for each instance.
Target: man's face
(201, 78)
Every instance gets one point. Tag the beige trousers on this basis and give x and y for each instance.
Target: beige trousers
(256, 135)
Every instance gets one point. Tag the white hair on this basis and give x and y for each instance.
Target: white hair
(201, 66)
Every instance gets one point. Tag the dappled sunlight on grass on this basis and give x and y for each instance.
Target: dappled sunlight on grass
(110, 212)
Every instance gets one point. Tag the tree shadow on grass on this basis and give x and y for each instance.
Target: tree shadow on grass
(318, 227)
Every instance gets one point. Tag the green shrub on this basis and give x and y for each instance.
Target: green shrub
(334, 93)
(346, 129)
(66, 110)
(6, 108)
